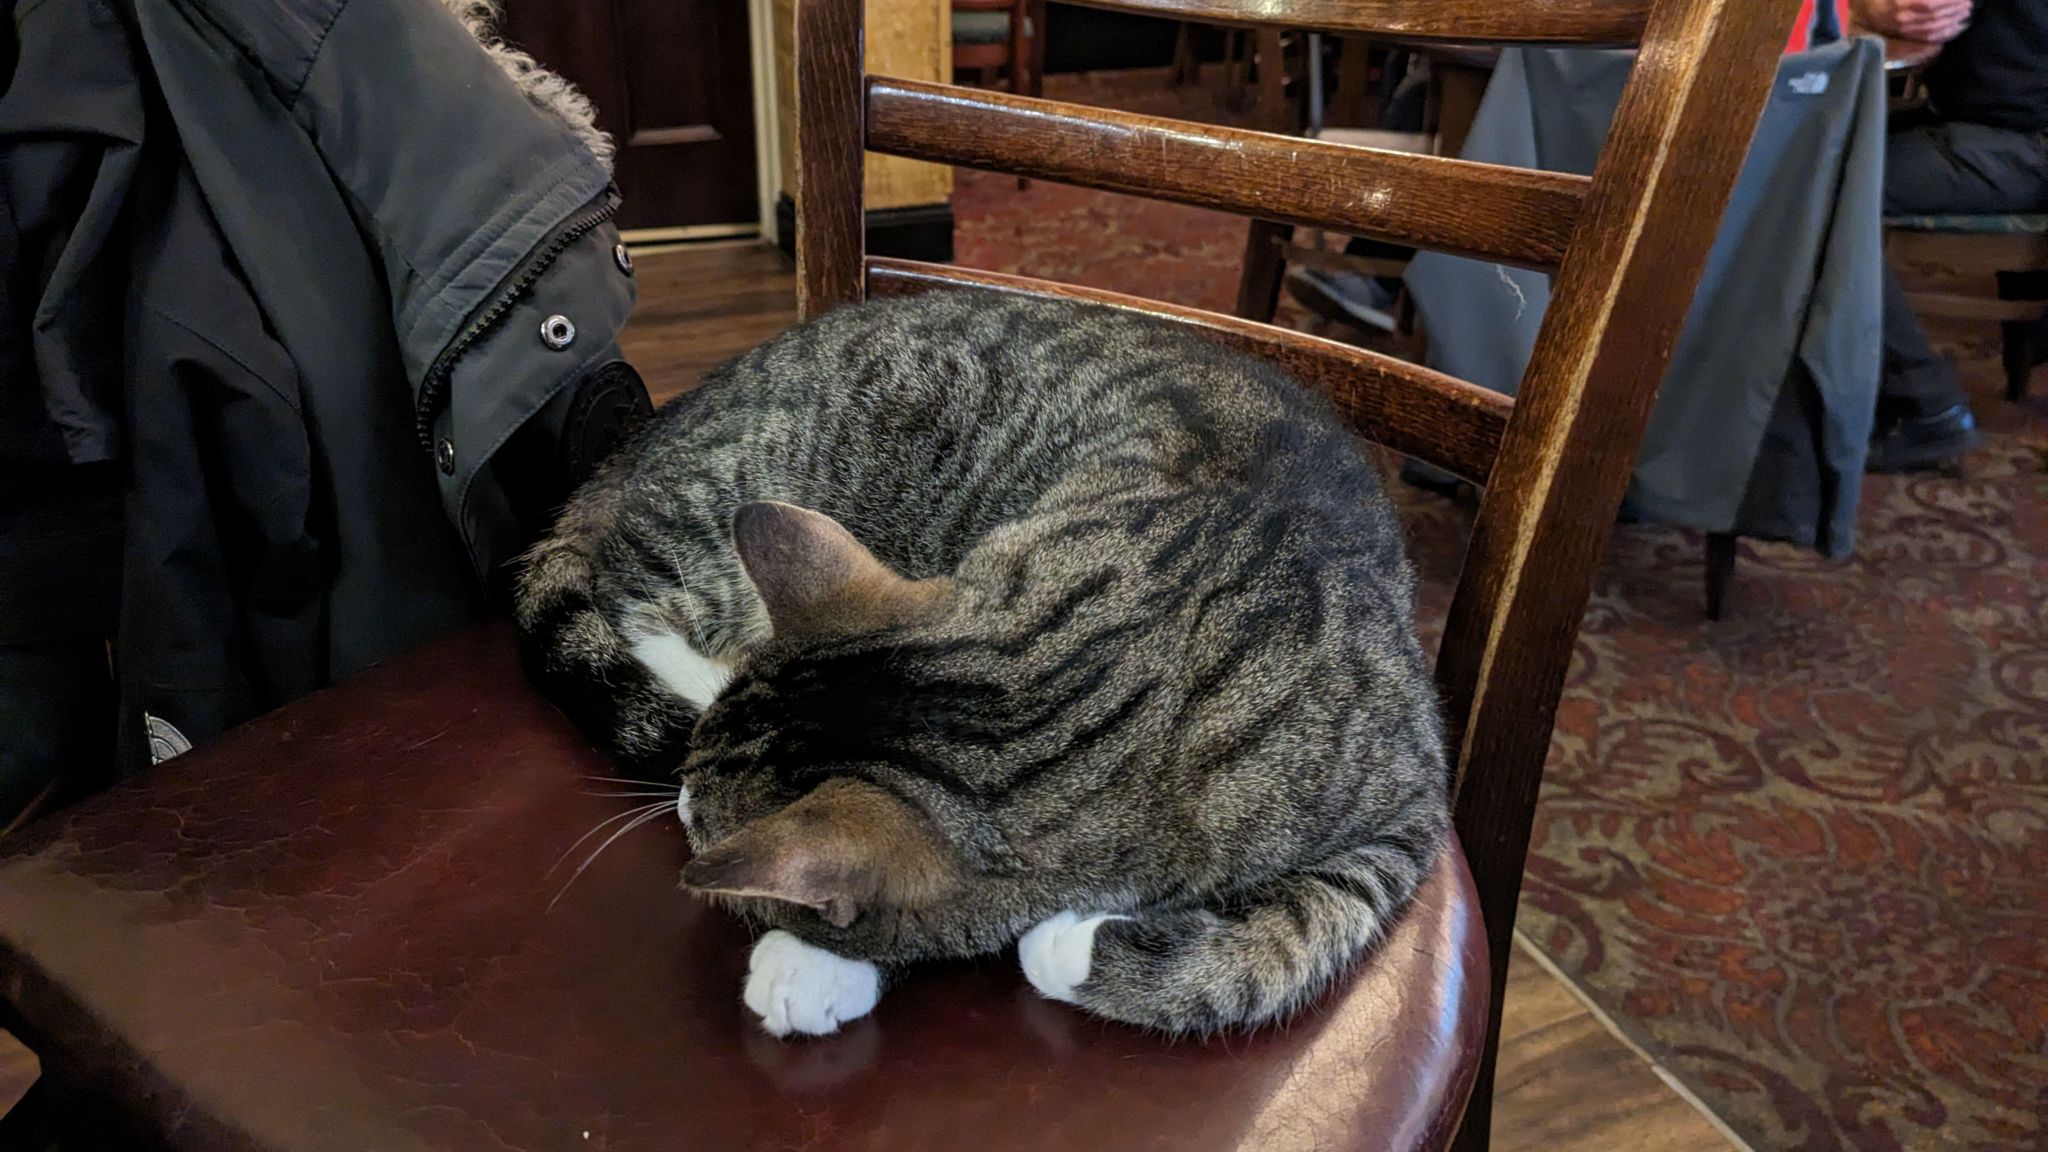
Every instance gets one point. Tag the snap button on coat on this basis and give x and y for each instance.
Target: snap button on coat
(557, 332)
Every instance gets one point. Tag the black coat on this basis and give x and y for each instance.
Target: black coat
(311, 319)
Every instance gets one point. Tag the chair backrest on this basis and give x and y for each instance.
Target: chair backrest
(1627, 246)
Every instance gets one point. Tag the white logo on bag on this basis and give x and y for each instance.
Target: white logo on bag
(1811, 84)
(165, 741)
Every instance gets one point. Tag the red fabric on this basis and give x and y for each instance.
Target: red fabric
(1802, 28)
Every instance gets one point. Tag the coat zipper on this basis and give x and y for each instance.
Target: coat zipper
(434, 386)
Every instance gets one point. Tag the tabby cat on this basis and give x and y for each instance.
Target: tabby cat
(972, 617)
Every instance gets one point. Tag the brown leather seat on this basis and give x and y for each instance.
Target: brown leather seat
(331, 930)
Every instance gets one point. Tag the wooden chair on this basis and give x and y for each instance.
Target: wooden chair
(338, 927)
(1995, 257)
(1627, 246)
(1002, 34)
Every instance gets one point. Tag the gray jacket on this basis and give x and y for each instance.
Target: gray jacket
(1763, 420)
(290, 268)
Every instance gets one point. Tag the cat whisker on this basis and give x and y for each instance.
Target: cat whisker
(655, 808)
(632, 795)
(621, 781)
(643, 818)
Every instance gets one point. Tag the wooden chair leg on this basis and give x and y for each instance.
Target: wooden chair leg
(1236, 70)
(1187, 63)
(1721, 547)
(1354, 74)
(2019, 357)
(1271, 51)
(1037, 51)
(1265, 262)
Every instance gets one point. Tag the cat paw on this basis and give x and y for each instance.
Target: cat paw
(797, 987)
(1057, 954)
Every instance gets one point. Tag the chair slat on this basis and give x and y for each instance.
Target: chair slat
(1614, 22)
(1512, 215)
(1409, 408)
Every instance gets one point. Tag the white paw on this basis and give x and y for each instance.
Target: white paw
(797, 987)
(1057, 954)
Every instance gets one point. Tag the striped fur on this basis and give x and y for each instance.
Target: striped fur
(1174, 675)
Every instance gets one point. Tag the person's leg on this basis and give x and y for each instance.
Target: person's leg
(1923, 417)
(1969, 169)
(1918, 381)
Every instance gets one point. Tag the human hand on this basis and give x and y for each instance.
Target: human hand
(1928, 21)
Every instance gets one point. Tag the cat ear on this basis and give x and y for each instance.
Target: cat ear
(845, 847)
(817, 579)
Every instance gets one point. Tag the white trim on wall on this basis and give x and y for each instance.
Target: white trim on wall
(767, 127)
(639, 237)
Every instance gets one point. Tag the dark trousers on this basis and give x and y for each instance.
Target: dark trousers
(1936, 167)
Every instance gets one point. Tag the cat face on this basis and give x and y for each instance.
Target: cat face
(784, 801)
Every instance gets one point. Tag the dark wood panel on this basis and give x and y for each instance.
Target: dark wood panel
(1406, 407)
(1508, 214)
(1501, 21)
(673, 83)
(684, 134)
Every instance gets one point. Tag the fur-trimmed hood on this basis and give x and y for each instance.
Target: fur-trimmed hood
(548, 90)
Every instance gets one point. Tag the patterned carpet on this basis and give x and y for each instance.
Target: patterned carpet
(1801, 855)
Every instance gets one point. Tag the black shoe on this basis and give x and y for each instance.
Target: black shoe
(1924, 443)
(1346, 297)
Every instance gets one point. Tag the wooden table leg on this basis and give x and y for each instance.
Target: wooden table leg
(1457, 89)
(1272, 64)
(1354, 73)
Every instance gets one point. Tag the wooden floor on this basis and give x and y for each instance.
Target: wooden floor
(1565, 1082)
(701, 307)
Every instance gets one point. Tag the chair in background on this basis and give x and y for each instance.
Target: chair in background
(1006, 36)
(1002, 35)
(2003, 265)
(1457, 81)
(332, 928)
(1261, 70)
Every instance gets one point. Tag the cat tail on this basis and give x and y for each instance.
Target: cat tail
(586, 666)
(1255, 957)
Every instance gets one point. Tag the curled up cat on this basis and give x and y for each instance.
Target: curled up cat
(971, 620)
